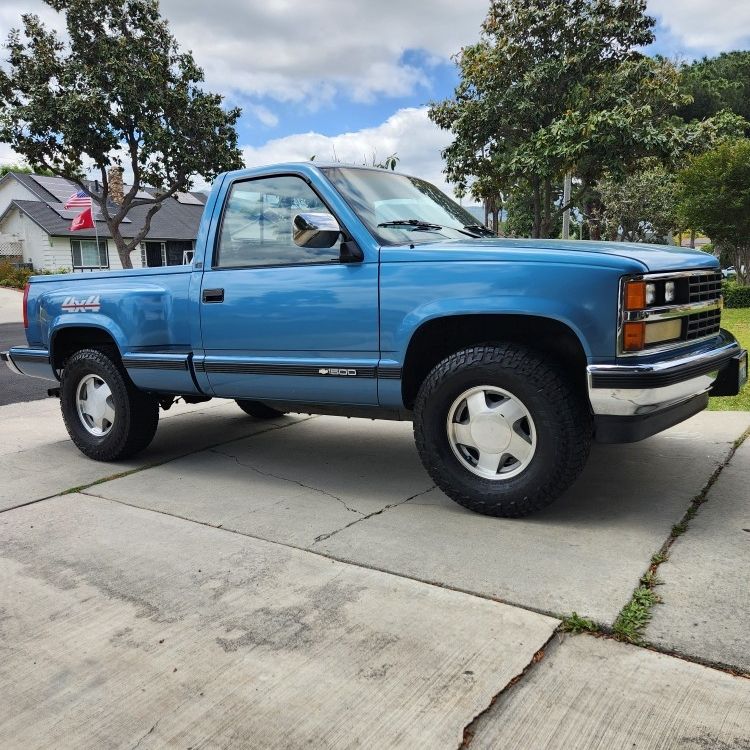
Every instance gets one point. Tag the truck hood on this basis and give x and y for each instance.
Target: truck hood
(631, 256)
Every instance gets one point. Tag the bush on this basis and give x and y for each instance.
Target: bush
(15, 278)
(12, 276)
(735, 295)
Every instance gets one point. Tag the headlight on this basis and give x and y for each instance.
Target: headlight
(650, 294)
(669, 291)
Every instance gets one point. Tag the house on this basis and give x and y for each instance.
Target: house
(35, 228)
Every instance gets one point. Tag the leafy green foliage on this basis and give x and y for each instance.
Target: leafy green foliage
(555, 85)
(715, 84)
(735, 295)
(13, 277)
(117, 92)
(23, 169)
(715, 198)
(642, 207)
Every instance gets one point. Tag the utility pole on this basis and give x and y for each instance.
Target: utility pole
(567, 185)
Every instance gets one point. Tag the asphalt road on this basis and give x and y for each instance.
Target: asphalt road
(15, 388)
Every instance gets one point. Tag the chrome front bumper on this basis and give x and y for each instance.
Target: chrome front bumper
(643, 389)
(633, 402)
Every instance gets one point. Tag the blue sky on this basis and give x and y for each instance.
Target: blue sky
(350, 79)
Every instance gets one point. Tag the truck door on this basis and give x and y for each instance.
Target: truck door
(279, 321)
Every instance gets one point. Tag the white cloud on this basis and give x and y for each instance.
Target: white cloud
(264, 115)
(705, 26)
(293, 50)
(408, 133)
(9, 156)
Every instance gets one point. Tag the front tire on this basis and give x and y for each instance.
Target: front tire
(106, 416)
(500, 430)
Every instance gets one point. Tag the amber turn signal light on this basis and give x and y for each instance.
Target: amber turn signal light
(633, 336)
(635, 295)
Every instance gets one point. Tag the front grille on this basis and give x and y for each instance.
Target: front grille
(705, 287)
(702, 324)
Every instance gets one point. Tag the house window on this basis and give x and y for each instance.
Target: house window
(87, 255)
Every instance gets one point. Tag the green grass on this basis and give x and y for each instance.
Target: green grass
(738, 322)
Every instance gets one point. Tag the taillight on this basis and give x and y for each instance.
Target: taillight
(25, 305)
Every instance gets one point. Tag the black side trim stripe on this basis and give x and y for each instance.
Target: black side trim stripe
(336, 371)
(659, 379)
(247, 368)
(132, 363)
(389, 373)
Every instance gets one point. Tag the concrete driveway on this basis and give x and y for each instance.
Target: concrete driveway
(301, 583)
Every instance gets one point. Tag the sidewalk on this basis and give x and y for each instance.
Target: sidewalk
(300, 583)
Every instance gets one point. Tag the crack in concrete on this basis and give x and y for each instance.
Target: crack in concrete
(471, 727)
(649, 580)
(150, 731)
(137, 469)
(284, 479)
(323, 537)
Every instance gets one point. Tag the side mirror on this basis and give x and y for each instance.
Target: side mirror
(319, 230)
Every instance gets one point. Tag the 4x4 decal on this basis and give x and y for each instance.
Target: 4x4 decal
(90, 304)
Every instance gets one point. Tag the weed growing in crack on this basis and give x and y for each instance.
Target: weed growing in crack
(574, 623)
(650, 579)
(679, 528)
(635, 615)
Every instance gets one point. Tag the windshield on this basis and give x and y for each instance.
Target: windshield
(398, 209)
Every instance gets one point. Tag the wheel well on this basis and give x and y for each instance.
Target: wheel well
(437, 339)
(69, 340)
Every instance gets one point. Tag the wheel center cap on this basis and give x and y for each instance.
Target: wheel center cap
(491, 433)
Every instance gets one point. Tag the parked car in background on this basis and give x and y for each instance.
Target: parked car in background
(729, 273)
(363, 292)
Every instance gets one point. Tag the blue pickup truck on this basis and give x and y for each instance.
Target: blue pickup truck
(366, 293)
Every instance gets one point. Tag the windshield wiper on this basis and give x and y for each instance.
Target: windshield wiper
(479, 228)
(416, 224)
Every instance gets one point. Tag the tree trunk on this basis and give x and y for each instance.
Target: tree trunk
(537, 202)
(593, 218)
(122, 249)
(692, 238)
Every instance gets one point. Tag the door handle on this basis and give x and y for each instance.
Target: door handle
(213, 295)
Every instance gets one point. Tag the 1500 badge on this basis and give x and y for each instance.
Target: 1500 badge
(90, 304)
(336, 371)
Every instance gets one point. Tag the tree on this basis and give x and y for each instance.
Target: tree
(553, 86)
(643, 207)
(715, 198)
(715, 84)
(23, 169)
(118, 93)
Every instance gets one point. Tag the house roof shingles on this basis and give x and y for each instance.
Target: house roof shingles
(174, 221)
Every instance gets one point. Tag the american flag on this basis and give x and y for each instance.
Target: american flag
(80, 199)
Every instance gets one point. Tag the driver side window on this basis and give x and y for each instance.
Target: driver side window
(256, 228)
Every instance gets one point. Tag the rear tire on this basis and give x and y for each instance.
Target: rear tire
(258, 409)
(500, 430)
(106, 416)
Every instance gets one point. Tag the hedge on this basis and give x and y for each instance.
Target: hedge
(15, 278)
(735, 295)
